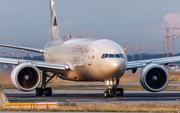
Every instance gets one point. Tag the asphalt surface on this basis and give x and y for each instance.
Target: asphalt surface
(96, 97)
(85, 84)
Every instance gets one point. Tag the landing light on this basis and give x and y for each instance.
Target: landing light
(111, 82)
(107, 82)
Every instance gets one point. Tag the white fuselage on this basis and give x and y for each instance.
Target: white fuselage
(88, 59)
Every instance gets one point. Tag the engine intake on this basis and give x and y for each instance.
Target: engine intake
(154, 78)
(25, 77)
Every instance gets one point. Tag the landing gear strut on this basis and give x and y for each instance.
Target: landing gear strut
(43, 89)
(112, 89)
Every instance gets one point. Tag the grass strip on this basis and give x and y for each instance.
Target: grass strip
(109, 108)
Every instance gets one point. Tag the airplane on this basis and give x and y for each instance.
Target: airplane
(84, 59)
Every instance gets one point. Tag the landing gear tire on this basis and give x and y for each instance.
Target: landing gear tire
(47, 92)
(39, 91)
(111, 93)
(119, 92)
(106, 94)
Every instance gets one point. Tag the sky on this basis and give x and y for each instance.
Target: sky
(29, 20)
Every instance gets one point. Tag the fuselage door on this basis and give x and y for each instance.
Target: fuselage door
(90, 57)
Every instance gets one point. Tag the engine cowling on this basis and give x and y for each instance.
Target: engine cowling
(25, 77)
(154, 77)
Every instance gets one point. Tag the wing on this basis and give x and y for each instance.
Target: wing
(26, 75)
(49, 66)
(143, 63)
(24, 48)
(153, 76)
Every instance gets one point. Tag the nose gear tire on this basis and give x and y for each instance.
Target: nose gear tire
(119, 92)
(106, 94)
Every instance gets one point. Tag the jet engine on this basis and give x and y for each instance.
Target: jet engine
(154, 78)
(25, 77)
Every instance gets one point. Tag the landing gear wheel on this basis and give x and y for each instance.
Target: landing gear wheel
(43, 89)
(111, 94)
(119, 92)
(106, 94)
(47, 92)
(39, 91)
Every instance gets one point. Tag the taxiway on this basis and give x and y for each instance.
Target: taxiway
(96, 97)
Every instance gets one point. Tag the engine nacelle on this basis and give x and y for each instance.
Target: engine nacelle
(154, 77)
(25, 77)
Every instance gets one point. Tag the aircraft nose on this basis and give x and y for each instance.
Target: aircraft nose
(116, 66)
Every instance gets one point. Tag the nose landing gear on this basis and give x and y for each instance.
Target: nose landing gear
(111, 92)
(112, 89)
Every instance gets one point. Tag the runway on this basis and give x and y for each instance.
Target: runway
(96, 97)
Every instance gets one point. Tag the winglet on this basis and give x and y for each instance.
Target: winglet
(54, 27)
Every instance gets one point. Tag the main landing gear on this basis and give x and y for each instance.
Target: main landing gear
(112, 89)
(43, 89)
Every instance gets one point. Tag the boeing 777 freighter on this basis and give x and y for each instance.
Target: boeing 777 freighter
(84, 59)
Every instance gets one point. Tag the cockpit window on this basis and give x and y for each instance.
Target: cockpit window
(121, 55)
(112, 56)
(117, 55)
(104, 55)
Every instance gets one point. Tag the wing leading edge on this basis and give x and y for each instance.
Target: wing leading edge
(24, 48)
(143, 63)
(58, 68)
